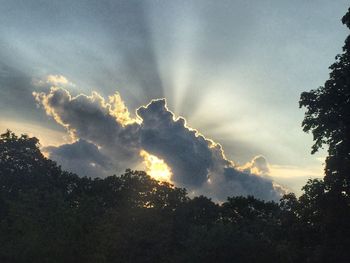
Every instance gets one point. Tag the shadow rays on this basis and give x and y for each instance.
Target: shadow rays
(132, 38)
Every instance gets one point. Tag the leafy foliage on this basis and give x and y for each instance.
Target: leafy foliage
(49, 215)
(325, 206)
(328, 118)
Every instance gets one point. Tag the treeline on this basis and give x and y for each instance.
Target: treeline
(49, 215)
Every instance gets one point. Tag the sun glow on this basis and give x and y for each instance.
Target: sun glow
(156, 167)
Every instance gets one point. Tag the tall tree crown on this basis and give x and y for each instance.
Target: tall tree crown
(328, 118)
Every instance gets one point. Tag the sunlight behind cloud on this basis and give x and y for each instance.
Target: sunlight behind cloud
(156, 167)
(120, 111)
(57, 79)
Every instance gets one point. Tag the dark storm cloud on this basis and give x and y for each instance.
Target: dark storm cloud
(197, 163)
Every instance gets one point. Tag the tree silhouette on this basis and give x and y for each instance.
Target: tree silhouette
(328, 118)
(49, 215)
(325, 206)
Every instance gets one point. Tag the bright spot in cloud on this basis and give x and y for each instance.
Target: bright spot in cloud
(120, 111)
(56, 80)
(156, 167)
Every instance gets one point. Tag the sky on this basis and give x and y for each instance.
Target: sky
(232, 71)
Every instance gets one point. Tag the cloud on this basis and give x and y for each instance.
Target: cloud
(198, 163)
(94, 120)
(53, 81)
(108, 140)
(81, 157)
(258, 165)
(184, 150)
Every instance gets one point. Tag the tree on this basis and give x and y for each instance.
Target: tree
(49, 215)
(328, 118)
(325, 206)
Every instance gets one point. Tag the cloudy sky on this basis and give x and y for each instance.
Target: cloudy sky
(233, 70)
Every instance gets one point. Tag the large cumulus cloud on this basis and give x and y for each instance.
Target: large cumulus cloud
(109, 140)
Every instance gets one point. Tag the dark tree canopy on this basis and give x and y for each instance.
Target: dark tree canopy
(326, 204)
(49, 215)
(328, 118)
